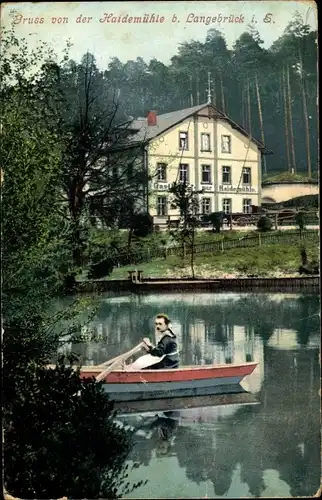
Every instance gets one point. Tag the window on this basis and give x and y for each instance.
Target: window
(247, 175)
(183, 140)
(205, 205)
(226, 143)
(162, 205)
(226, 175)
(247, 206)
(183, 172)
(205, 142)
(205, 174)
(226, 205)
(162, 172)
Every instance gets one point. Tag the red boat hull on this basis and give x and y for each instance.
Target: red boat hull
(179, 382)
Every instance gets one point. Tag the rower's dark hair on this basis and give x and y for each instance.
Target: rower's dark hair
(164, 316)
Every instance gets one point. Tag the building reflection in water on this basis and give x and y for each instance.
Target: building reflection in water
(271, 447)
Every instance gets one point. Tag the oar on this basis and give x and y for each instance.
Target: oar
(106, 363)
(121, 358)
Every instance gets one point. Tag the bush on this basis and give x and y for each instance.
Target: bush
(142, 225)
(264, 224)
(54, 447)
(300, 220)
(216, 219)
(101, 269)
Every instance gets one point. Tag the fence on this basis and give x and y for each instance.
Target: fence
(283, 217)
(147, 254)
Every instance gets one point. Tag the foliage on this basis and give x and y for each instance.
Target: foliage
(264, 224)
(34, 253)
(44, 420)
(101, 268)
(309, 201)
(107, 249)
(103, 248)
(300, 220)
(286, 177)
(216, 219)
(183, 83)
(102, 170)
(62, 439)
(184, 198)
(311, 267)
(142, 225)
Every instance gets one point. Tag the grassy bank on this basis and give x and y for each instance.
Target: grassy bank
(269, 261)
(117, 240)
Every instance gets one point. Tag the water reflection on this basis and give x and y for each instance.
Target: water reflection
(268, 449)
(275, 446)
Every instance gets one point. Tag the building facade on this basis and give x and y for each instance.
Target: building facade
(206, 149)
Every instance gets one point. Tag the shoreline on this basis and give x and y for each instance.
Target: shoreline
(164, 284)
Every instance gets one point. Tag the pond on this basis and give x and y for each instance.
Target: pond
(271, 448)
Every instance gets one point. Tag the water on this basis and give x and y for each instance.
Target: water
(235, 451)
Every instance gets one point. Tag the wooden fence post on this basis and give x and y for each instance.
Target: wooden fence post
(276, 222)
(259, 239)
(222, 245)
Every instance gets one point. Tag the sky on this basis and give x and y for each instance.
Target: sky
(128, 40)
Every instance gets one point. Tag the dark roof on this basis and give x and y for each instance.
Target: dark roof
(143, 132)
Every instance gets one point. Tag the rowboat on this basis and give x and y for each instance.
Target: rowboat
(187, 381)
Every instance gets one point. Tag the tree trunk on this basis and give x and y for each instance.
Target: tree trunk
(214, 96)
(261, 123)
(183, 250)
(129, 239)
(75, 209)
(197, 88)
(222, 93)
(286, 129)
(77, 254)
(306, 122)
(192, 261)
(290, 118)
(191, 95)
(249, 114)
(243, 113)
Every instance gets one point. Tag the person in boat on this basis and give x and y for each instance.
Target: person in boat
(166, 346)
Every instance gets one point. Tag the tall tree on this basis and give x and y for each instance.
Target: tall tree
(248, 56)
(260, 117)
(186, 199)
(305, 115)
(286, 120)
(290, 117)
(102, 170)
(217, 60)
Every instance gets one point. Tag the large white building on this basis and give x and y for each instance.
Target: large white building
(204, 147)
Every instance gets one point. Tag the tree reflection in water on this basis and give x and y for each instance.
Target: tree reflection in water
(282, 433)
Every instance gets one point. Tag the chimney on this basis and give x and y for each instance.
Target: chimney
(152, 118)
